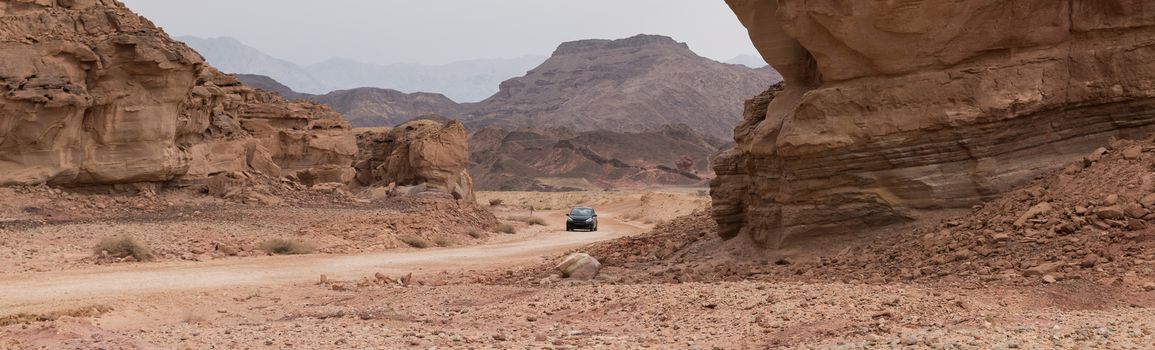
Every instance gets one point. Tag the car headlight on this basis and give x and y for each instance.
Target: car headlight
(590, 220)
(569, 219)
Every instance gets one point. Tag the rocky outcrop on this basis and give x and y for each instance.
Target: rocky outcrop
(93, 94)
(421, 152)
(636, 84)
(890, 108)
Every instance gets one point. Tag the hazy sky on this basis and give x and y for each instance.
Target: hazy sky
(442, 31)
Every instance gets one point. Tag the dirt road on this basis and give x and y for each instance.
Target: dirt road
(33, 291)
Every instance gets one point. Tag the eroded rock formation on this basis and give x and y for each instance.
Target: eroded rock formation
(422, 152)
(893, 107)
(93, 94)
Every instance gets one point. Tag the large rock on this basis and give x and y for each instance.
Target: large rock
(419, 152)
(894, 107)
(579, 266)
(93, 94)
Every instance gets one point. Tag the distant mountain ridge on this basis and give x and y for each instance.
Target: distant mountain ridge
(464, 81)
(636, 84)
(366, 107)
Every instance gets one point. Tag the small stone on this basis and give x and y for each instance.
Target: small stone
(1043, 208)
(1111, 200)
(1111, 213)
(1081, 210)
(1148, 201)
(1149, 287)
(1135, 210)
(500, 337)
(1049, 279)
(1095, 156)
(1042, 269)
(1133, 152)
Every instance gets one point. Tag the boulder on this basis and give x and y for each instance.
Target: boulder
(579, 266)
(890, 108)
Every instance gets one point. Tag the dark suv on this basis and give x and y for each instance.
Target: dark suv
(581, 218)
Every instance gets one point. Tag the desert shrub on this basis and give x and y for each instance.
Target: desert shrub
(532, 220)
(505, 228)
(280, 246)
(475, 233)
(121, 247)
(415, 242)
(443, 242)
(495, 202)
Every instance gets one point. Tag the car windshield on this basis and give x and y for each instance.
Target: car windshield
(582, 212)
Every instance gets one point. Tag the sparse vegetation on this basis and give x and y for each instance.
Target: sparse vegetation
(532, 220)
(280, 246)
(505, 228)
(92, 311)
(122, 247)
(496, 202)
(443, 242)
(475, 233)
(415, 242)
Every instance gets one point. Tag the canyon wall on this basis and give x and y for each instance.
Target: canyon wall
(891, 108)
(93, 94)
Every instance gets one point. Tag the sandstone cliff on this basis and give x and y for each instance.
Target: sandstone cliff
(636, 84)
(893, 107)
(422, 152)
(93, 94)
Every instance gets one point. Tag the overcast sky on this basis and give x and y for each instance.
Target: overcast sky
(442, 31)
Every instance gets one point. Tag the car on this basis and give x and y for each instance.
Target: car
(581, 218)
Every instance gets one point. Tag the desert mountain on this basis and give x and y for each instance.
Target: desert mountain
(232, 56)
(467, 81)
(561, 159)
(748, 60)
(366, 107)
(636, 84)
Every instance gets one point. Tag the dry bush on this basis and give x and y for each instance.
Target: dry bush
(532, 220)
(280, 246)
(495, 202)
(444, 242)
(415, 242)
(505, 228)
(475, 233)
(122, 247)
(85, 312)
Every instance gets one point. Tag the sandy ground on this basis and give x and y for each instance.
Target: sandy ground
(463, 297)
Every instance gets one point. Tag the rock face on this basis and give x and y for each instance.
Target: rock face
(636, 84)
(92, 94)
(893, 107)
(420, 152)
(562, 159)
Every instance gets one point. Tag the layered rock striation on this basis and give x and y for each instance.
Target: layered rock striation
(889, 108)
(93, 94)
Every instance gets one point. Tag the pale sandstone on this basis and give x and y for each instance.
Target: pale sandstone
(423, 152)
(93, 94)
